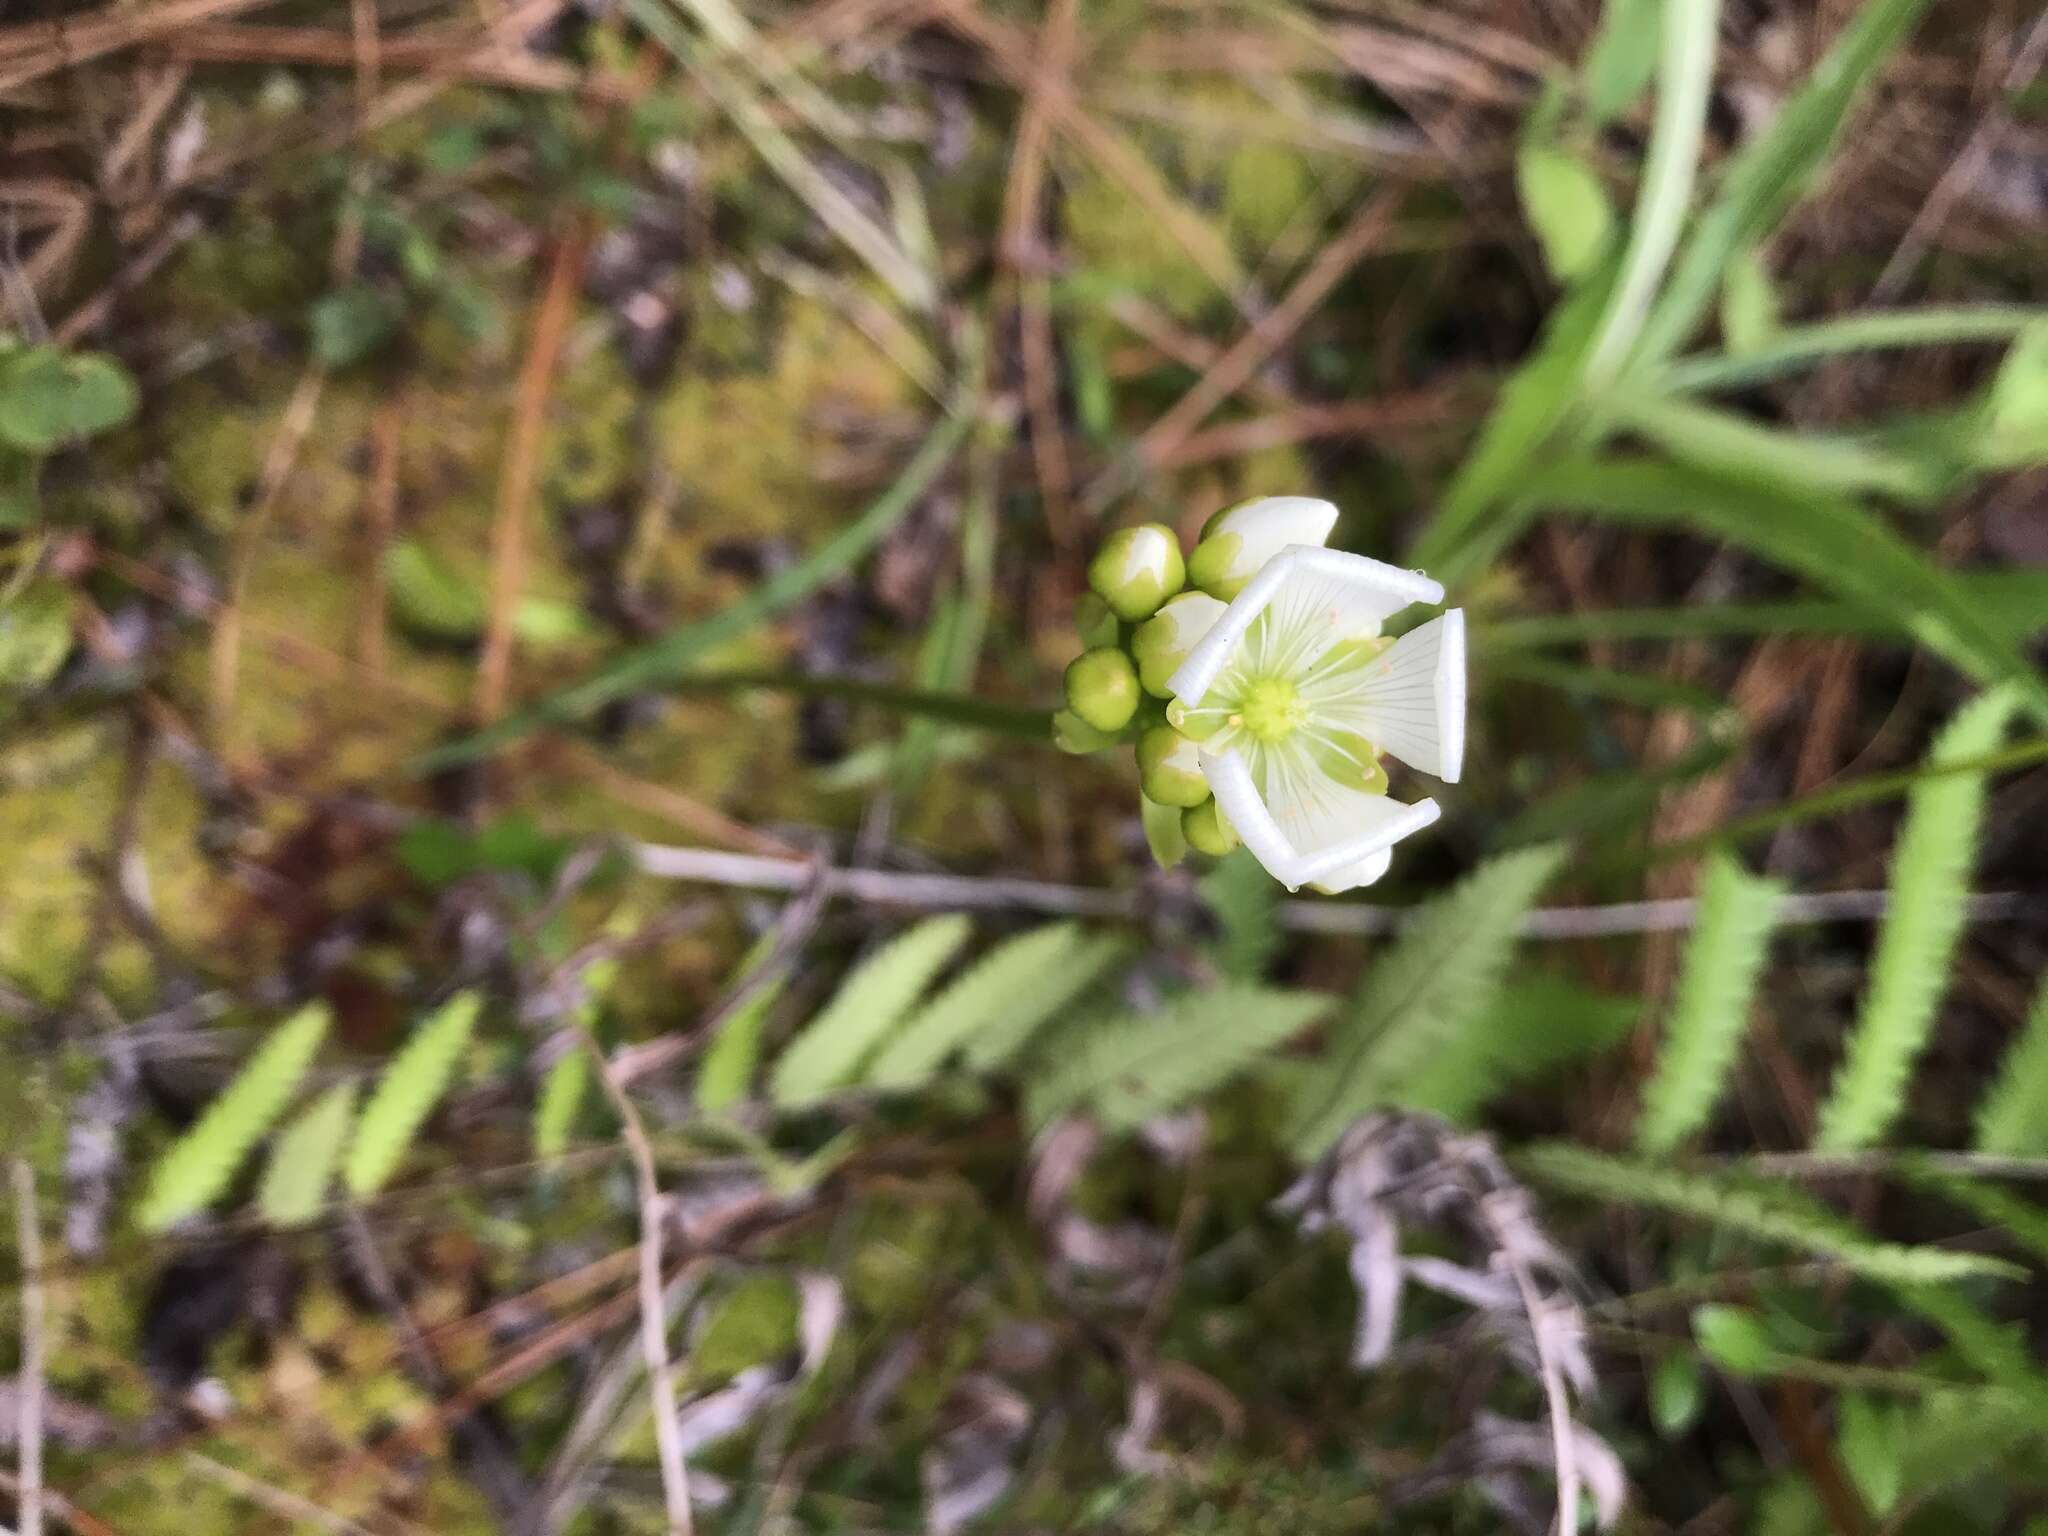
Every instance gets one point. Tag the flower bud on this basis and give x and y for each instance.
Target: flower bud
(1236, 542)
(1096, 624)
(1102, 688)
(1163, 641)
(1137, 569)
(1208, 830)
(1170, 768)
(1072, 734)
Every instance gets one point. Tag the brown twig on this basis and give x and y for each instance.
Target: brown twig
(522, 456)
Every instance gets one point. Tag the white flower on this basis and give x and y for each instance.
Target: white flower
(1293, 694)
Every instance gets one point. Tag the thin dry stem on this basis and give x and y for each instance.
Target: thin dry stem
(29, 1428)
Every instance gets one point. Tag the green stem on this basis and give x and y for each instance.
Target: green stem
(963, 709)
(1796, 348)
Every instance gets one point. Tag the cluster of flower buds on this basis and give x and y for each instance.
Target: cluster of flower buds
(1253, 681)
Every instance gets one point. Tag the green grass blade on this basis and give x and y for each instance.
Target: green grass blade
(665, 658)
(1645, 690)
(1930, 888)
(1722, 963)
(2013, 1119)
(1799, 346)
(1774, 169)
(1796, 462)
(1835, 543)
(406, 1094)
(201, 1163)
(830, 1051)
(1685, 78)
(1435, 982)
(302, 1162)
(995, 1006)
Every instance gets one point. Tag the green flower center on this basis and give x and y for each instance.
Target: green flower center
(1272, 709)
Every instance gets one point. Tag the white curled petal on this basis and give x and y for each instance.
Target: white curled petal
(1230, 781)
(1376, 832)
(1193, 677)
(1411, 700)
(1369, 587)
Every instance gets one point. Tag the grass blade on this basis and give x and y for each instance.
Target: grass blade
(1930, 886)
(1722, 964)
(1798, 346)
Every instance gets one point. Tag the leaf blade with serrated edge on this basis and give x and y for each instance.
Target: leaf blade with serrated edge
(303, 1160)
(412, 1084)
(829, 1052)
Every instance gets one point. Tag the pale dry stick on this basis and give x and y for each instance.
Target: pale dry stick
(1257, 345)
(522, 457)
(158, 98)
(1562, 1431)
(29, 1421)
(224, 661)
(453, 57)
(54, 1503)
(893, 888)
(1024, 253)
(1962, 171)
(661, 1387)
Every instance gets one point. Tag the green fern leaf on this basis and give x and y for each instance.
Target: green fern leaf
(2013, 1119)
(995, 1007)
(830, 1051)
(202, 1162)
(1537, 1024)
(1930, 887)
(1771, 1213)
(561, 1096)
(1722, 964)
(1132, 1067)
(302, 1161)
(1246, 901)
(412, 1085)
(726, 1075)
(1436, 982)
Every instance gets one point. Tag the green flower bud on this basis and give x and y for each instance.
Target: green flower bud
(1163, 641)
(1096, 624)
(1070, 733)
(1102, 688)
(1238, 541)
(1137, 569)
(1207, 830)
(1170, 768)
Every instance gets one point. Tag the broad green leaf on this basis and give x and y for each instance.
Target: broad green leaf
(1711, 1012)
(201, 1163)
(1930, 887)
(1566, 206)
(831, 1050)
(350, 323)
(1437, 980)
(406, 1094)
(1245, 900)
(1623, 56)
(35, 636)
(302, 1160)
(49, 399)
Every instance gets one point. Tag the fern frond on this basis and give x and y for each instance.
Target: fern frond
(1930, 887)
(202, 1162)
(561, 1096)
(828, 1054)
(1772, 1214)
(412, 1085)
(2022, 1219)
(992, 1009)
(1434, 983)
(1133, 1067)
(303, 1158)
(2013, 1119)
(1722, 963)
(726, 1075)
(1537, 1023)
(1245, 900)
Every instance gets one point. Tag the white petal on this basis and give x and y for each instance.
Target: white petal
(1308, 827)
(1366, 587)
(1191, 681)
(1268, 525)
(1411, 700)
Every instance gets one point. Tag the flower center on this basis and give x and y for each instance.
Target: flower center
(1272, 709)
